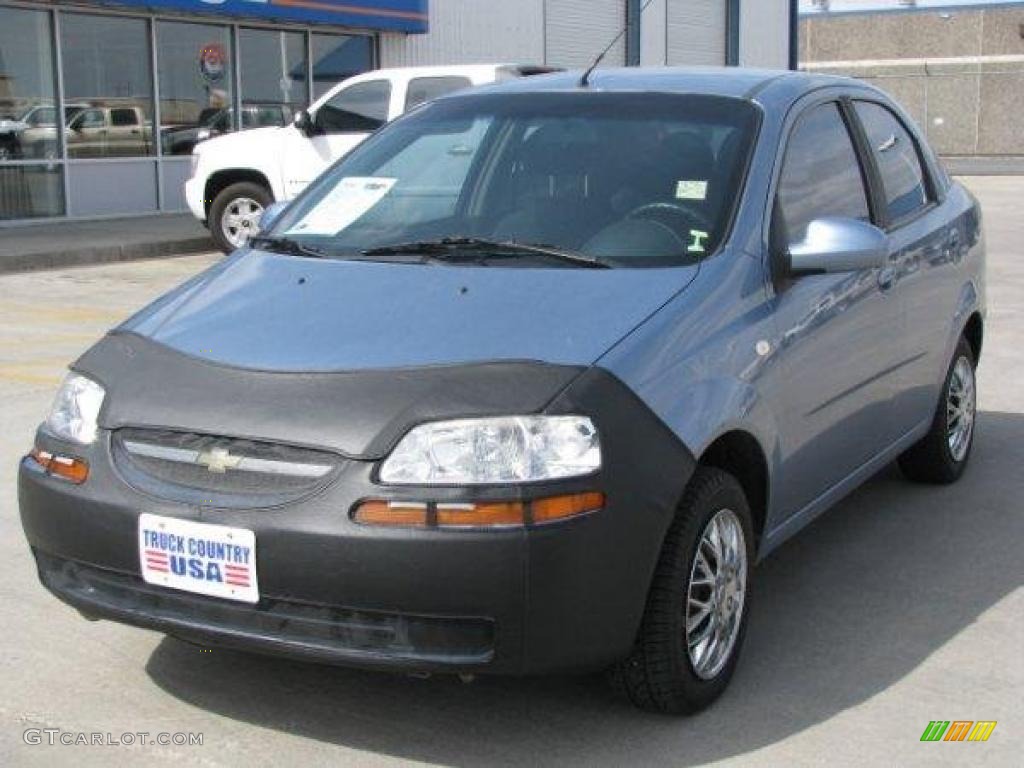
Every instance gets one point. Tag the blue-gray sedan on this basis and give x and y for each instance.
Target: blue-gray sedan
(528, 382)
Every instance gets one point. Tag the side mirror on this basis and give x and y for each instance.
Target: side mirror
(838, 245)
(305, 123)
(271, 214)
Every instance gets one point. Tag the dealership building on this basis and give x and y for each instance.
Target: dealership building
(101, 101)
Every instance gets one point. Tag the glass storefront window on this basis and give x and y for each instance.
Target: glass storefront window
(196, 83)
(272, 69)
(337, 57)
(27, 117)
(108, 86)
(31, 191)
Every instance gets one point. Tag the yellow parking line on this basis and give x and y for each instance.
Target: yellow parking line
(20, 375)
(48, 338)
(64, 314)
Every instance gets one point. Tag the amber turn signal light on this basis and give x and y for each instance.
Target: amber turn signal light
(391, 513)
(67, 468)
(476, 514)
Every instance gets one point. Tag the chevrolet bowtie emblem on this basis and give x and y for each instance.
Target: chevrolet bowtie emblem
(218, 460)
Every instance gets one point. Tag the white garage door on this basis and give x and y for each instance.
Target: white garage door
(577, 30)
(696, 31)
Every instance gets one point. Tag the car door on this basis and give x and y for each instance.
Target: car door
(925, 244)
(341, 122)
(836, 330)
(125, 137)
(88, 135)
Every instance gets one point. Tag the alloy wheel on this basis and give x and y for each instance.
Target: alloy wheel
(960, 408)
(715, 595)
(241, 220)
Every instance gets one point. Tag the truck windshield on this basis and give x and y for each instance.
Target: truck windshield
(625, 179)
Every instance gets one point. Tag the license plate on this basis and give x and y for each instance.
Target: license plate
(214, 560)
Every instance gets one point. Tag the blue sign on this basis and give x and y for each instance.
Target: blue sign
(392, 15)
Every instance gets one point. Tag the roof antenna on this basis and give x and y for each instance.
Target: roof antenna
(585, 79)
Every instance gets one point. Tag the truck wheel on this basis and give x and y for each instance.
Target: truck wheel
(235, 214)
(941, 456)
(696, 614)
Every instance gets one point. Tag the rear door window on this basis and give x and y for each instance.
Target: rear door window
(423, 89)
(360, 108)
(821, 174)
(898, 160)
(122, 117)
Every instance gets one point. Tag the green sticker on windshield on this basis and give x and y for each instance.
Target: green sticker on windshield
(691, 189)
(697, 238)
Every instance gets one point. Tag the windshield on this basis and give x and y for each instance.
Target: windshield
(626, 179)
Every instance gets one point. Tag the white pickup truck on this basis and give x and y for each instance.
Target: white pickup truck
(234, 177)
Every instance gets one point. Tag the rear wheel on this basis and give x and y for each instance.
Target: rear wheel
(696, 613)
(941, 456)
(235, 214)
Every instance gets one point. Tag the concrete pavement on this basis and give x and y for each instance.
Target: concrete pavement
(902, 605)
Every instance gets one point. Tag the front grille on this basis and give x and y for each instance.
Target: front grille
(219, 471)
(320, 632)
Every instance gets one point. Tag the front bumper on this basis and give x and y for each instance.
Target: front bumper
(560, 596)
(195, 197)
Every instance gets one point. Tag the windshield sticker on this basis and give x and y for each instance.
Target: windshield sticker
(697, 238)
(349, 200)
(691, 189)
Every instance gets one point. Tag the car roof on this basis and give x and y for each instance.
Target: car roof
(438, 70)
(735, 82)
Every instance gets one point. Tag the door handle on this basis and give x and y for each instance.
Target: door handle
(887, 274)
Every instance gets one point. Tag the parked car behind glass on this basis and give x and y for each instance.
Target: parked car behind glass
(216, 121)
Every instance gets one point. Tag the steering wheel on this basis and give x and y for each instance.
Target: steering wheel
(680, 219)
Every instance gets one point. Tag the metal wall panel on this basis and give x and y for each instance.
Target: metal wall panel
(764, 33)
(652, 34)
(471, 32)
(576, 31)
(107, 188)
(696, 31)
(175, 173)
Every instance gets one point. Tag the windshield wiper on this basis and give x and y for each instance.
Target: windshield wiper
(287, 246)
(455, 248)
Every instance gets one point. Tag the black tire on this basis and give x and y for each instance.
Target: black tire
(658, 675)
(931, 460)
(242, 190)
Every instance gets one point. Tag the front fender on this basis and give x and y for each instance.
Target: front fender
(258, 150)
(711, 407)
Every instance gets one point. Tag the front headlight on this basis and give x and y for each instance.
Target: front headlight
(511, 449)
(193, 164)
(75, 409)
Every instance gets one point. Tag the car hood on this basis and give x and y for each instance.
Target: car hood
(271, 312)
(350, 355)
(238, 139)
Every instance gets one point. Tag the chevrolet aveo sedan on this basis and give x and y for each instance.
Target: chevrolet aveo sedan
(528, 382)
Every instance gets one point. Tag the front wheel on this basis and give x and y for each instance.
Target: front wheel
(235, 214)
(940, 457)
(696, 614)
